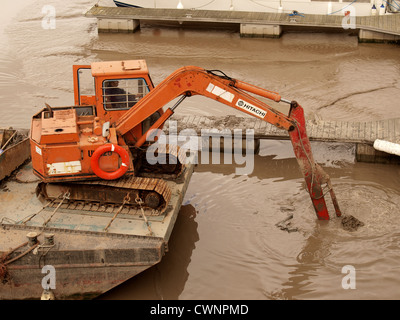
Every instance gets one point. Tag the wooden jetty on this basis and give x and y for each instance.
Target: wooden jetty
(378, 28)
(362, 134)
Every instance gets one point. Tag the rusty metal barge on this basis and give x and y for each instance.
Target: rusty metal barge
(71, 250)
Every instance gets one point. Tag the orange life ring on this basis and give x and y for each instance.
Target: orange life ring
(94, 162)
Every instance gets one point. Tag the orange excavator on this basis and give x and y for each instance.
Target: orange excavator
(96, 149)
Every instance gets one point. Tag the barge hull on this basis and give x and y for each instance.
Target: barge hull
(89, 252)
(69, 268)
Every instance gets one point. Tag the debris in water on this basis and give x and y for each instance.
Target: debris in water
(350, 223)
(286, 225)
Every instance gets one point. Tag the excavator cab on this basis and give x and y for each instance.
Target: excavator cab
(114, 87)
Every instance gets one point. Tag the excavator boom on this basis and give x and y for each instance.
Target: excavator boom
(189, 81)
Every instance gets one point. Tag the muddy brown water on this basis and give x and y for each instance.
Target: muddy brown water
(227, 243)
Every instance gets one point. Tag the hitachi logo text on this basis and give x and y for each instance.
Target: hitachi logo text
(250, 108)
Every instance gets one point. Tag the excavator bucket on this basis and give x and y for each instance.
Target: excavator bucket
(313, 174)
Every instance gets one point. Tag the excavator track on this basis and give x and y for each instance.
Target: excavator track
(137, 194)
(170, 162)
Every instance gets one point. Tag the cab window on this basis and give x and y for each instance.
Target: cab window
(122, 94)
(85, 84)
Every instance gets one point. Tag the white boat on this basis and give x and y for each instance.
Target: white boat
(339, 7)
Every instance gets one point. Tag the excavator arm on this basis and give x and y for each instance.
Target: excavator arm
(189, 81)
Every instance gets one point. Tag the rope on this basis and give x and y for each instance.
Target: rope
(43, 255)
(65, 196)
(3, 271)
(140, 202)
(23, 221)
(126, 199)
(22, 254)
(4, 262)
